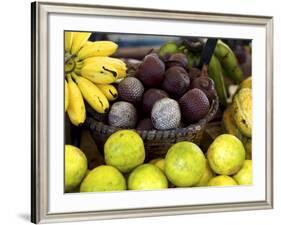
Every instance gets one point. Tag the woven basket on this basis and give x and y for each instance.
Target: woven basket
(157, 142)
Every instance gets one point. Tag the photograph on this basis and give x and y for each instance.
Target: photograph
(151, 112)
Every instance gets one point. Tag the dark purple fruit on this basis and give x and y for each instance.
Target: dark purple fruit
(194, 105)
(122, 115)
(150, 97)
(130, 89)
(194, 73)
(178, 59)
(151, 70)
(176, 81)
(145, 124)
(205, 84)
(166, 114)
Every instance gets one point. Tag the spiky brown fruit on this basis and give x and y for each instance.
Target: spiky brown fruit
(150, 97)
(130, 89)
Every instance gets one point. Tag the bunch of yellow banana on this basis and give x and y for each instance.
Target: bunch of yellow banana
(237, 118)
(90, 72)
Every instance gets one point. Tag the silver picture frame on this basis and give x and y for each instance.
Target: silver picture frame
(39, 92)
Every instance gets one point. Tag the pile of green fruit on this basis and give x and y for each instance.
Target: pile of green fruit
(184, 165)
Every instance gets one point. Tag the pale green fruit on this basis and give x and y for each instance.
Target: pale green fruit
(75, 167)
(103, 178)
(226, 154)
(160, 163)
(222, 180)
(207, 175)
(124, 150)
(244, 175)
(184, 164)
(147, 177)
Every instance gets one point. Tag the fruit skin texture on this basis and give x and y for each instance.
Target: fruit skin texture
(184, 164)
(78, 40)
(229, 61)
(103, 178)
(207, 175)
(147, 177)
(176, 81)
(207, 85)
(194, 105)
(151, 70)
(92, 94)
(97, 48)
(130, 89)
(99, 72)
(124, 150)
(75, 167)
(222, 180)
(226, 154)
(123, 115)
(150, 97)
(244, 175)
(166, 114)
(76, 109)
(242, 111)
(109, 91)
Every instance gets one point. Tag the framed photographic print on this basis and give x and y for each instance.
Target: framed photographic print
(146, 112)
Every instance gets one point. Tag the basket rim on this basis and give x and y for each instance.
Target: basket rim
(92, 124)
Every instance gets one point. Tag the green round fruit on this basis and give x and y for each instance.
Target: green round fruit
(147, 177)
(103, 178)
(222, 180)
(226, 154)
(244, 175)
(75, 167)
(207, 175)
(124, 150)
(159, 162)
(184, 164)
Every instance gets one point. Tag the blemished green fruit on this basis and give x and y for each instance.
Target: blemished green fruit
(103, 178)
(147, 177)
(207, 175)
(226, 154)
(244, 175)
(159, 162)
(124, 150)
(184, 164)
(75, 167)
(222, 180)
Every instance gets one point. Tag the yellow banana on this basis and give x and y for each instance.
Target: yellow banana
(66, 95)
(97, 48)
(76, 108)
(79, 39)
(68, 37)
(242, 111)
(109, 91)
(92, 94)
(99, 72)
(118, 64)
(229, 61)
